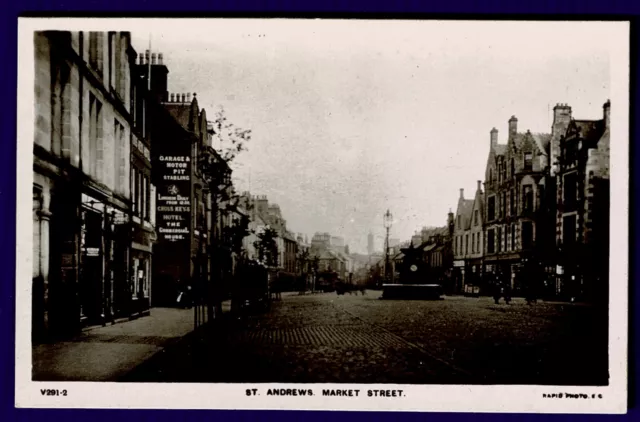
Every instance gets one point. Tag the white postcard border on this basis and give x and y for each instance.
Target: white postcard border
(461, 398)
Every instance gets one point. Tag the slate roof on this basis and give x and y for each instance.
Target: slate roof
(590, 130)
(500, 149)
(465, 209)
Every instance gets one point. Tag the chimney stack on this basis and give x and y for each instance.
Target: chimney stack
(173, 98)
(607, 114)
(479, 185)
(561, 115)
(160, 59)
(153, 58)
(494, 137)
(461, 193)
(513, 127)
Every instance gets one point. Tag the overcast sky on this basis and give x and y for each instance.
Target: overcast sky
(350, 118)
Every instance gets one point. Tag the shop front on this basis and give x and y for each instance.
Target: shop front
(104, 250)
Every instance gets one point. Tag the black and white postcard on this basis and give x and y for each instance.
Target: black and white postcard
(412, 215)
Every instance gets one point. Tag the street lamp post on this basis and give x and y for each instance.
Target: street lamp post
(388, 221)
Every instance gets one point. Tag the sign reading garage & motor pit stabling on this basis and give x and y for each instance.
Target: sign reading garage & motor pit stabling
(174, 197)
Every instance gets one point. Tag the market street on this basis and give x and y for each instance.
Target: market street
(326, 338)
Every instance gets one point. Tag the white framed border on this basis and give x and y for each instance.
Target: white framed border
(461, 398)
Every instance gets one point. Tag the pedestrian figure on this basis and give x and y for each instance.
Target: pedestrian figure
(497, 290)
(507, 293)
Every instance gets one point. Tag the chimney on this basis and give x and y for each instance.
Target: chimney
(140, 58)
(494, 137)
(189, 97)
(513, 127)
(160, 60)
(479, 188)
(173, 98)
(183, 98)
(607, 114)
(561, 117)
(153, 58)
(146, 57)
(461, 193)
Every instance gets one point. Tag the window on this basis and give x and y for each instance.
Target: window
(503, 204)
(513, 237)
(466, 244)
(112, 60)
(95, 136)
(120, 159)
(491, 208)
(569, 230)
(459, 221)
(473, 242)
(499, 239)
(95, 51)
(140, 194)
(490, 241)
(134, 183)
(528, 161)
(490, 175)
(569, 192)
(512, 202)
(475, 217)
(478, 242)
(527, 198)
(527, 234)
(513, 167)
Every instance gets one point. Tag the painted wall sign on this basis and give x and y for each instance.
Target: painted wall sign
(173, 203)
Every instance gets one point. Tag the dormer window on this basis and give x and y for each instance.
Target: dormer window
(528, 160)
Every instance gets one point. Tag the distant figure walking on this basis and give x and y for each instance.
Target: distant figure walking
(497, 290)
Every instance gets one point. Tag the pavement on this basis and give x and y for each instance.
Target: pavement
(109, 352)
(325, 338)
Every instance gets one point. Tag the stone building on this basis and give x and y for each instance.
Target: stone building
(191, 181)
(461, 241)
(468, 243)
(582, 218)
(82, 190)
(515, 183)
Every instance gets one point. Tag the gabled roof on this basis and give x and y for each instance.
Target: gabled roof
(541, 140)
(465, 209)
(589, 130)
(500, 149)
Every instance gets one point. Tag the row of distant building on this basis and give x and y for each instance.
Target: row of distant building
(539, 221)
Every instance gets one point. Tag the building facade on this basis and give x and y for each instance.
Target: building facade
(515, 183)
(582, 218)
(81, 192)
(461, 241)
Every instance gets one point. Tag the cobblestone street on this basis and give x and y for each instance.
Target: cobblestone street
(327, 338)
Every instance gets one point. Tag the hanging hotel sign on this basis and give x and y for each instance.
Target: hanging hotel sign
(174, 198)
